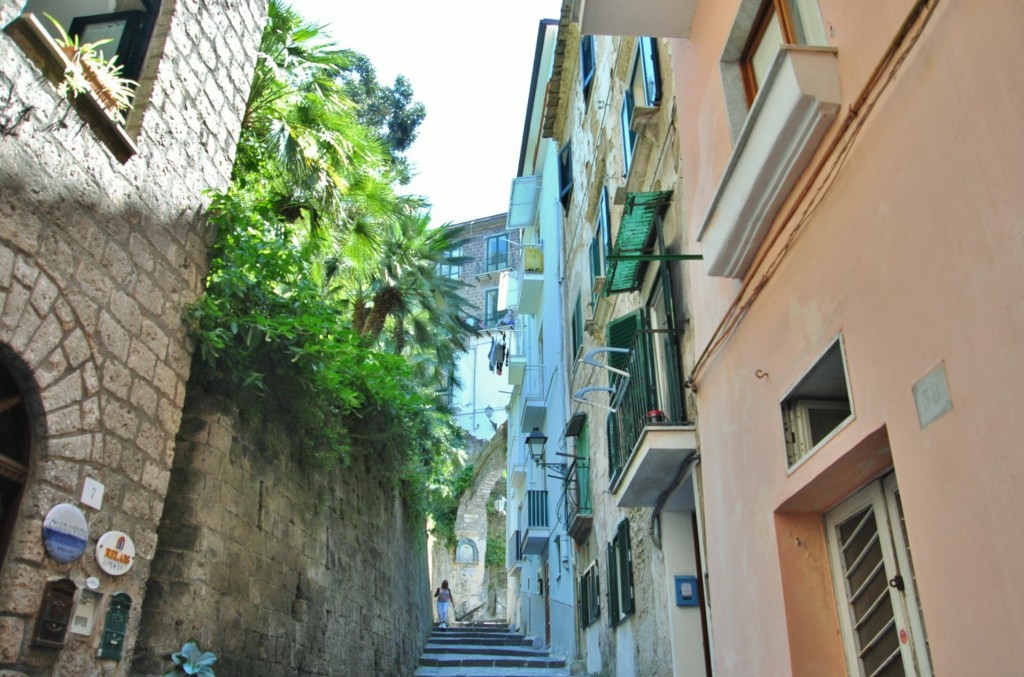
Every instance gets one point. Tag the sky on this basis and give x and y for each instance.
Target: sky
(469, 62)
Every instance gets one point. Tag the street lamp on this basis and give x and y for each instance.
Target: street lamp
(535, 441)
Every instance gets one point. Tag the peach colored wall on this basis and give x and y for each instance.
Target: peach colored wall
(916, 257)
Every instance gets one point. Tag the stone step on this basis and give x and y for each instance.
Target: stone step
(442, 649)
(500, 640)
(489, 661)
(490, 672)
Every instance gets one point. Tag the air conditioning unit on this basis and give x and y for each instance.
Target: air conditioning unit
(808, 422)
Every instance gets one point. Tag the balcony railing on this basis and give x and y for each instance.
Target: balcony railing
(536, 509)
(578, 502)
(652, 395)
(514, 552)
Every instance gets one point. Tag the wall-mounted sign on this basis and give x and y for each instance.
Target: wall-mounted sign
(92, 493)
(115, 553)
(65, 532)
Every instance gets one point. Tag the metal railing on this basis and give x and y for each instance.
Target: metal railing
(514, 552)
(578, 500)
(537, 509)
(652, 395)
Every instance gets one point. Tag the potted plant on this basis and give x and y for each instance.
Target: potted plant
(89, 71)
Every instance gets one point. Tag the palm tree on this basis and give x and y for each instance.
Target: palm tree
(396, 281)
(324, 165)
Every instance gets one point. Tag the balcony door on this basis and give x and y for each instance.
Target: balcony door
(663, 365)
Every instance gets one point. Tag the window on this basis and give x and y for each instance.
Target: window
(600, 246)
(620, 576)
(879, 610)
(818, 406)
(448, 269)
(644, 90)
(497, 253)
(795, 22)
(589, 597)
(587, 65)
(577, 327)
(565, 175)
(619, 333)
(127, 23)
(663, 352)
(490, 307)
(14, 451)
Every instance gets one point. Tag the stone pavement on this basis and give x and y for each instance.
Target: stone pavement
(485, 650)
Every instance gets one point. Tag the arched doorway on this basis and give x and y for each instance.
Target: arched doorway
(15, 438)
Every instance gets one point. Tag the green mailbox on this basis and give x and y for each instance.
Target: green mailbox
(116, 626)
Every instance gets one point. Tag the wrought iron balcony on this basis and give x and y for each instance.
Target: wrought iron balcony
(648, 435)
(579, 503)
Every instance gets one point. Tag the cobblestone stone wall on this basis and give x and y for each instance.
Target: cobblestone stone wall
(279, 569)
(100, 249)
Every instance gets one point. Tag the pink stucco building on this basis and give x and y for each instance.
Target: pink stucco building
(851, 173)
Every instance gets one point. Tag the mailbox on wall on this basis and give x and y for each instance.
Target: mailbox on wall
(116, 626)
(686, 591)
(54, 614)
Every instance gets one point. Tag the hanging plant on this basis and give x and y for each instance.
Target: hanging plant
(89, 71)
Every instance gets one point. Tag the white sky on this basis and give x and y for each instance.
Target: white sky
(469, 62)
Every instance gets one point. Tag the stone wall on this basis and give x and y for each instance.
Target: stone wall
(280, 569)
(479, 591)
(101, 247)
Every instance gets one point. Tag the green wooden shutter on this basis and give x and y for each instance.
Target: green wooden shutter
(620, 334)
(626, 568)
(613, 585)
(581, 609)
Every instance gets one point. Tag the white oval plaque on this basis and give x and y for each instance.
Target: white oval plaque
(65, 532)
(115, 553)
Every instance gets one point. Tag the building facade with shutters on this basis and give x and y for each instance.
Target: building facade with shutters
(621, 527)
(102, 243)
(848, 175)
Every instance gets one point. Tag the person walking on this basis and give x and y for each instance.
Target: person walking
(444, 600)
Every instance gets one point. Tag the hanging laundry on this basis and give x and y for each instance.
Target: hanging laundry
(499, 357)
(491, 361)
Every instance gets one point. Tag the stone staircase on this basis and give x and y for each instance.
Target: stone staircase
(485, 650)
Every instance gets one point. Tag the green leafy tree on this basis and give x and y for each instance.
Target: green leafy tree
(312, 241)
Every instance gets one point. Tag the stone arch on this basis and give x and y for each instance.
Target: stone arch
(51, 361)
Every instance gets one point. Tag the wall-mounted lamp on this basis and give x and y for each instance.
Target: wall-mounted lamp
(535, 442)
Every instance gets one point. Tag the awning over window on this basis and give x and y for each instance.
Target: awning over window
(631, 242)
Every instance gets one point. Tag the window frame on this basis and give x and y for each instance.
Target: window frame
(492, 261)
(576, 337)
(565, 174)
(621, 590)
(646, 66)
(489, 319)
(799, 446)
(451, 271)
(601, 244)
(589, 598)
(790, 24)
(588, 66)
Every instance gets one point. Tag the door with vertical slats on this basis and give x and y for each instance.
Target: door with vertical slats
(872, 588)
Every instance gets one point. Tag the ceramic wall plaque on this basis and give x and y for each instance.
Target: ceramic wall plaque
(65, 532)
(115, 553)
